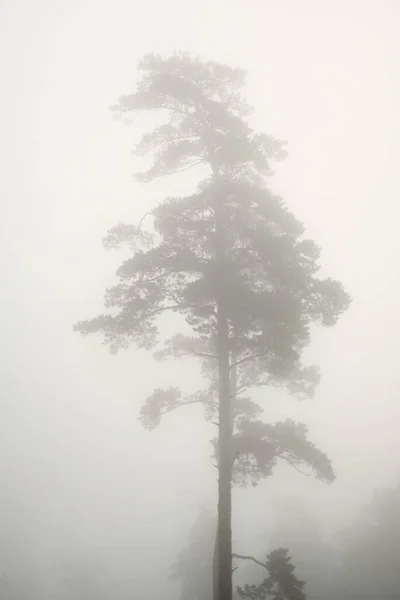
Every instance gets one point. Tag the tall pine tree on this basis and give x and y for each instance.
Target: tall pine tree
(230, 258)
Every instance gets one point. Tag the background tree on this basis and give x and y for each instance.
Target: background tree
(295, 527)
(360, 562)
(82, 574)
(370, 550)
(193, 568)
(229, 258)
(281, 582)
(194, 564)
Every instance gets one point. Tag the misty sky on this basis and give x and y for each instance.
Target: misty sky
(75, 463)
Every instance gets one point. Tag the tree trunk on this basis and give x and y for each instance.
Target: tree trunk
(224, 548)
(223, 553)
(233, 388)
(215, 566)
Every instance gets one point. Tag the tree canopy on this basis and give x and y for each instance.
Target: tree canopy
(269, 273)
(269, 270)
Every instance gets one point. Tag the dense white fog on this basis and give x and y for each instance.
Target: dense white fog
(83, 484)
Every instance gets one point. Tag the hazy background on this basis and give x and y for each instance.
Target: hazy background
(77, 470)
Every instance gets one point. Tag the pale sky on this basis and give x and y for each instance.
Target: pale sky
(322, 75)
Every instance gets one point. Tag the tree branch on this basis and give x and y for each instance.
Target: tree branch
(294, 466)
(171, 172)
(239, 391)
(143, 218)
(246, 359)
(184, 403)
(242, 557)
(203, 354)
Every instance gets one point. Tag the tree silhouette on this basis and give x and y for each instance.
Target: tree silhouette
(193, 566)
(230, 259)
(370, 550)
(281, 582)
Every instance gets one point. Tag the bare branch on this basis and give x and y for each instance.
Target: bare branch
(193, 164)
(143, 218)
(239, 391)
(184, 403)
(295, 466)
(242, 557)
(168, 173)
(246, 359)
(203, 354)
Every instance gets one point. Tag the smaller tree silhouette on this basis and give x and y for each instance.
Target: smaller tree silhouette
(281, 582)
(194, 564)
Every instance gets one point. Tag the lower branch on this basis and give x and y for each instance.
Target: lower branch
(169, 409)
(242, 557)
(295, 467)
